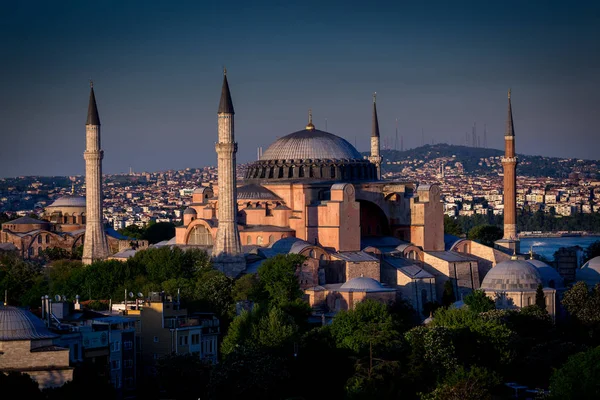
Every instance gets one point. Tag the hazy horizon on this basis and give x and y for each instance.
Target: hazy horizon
(157, 70)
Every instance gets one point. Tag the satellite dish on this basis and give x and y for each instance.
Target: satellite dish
(57, 297)
(140, 294)
(77, 296)
(64, 298)
(130, 294)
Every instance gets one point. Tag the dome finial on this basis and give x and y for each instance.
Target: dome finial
(374, 97)
(310, 126)
(514, 256)
(509, 93)
(224, 71)
(91, 83)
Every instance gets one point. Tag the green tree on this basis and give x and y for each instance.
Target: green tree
(448, 296)
(474, 383)
(369, 324)
(451, 227)
(540, 297)
(578, 378)
(583, 304)
(132, 231)
(479, 302)
(17, 382)
(593, 250)
(17, 277)
(277, 276)
(213, 288)
(246, 288)
(485, 234)
(183, 376)
(158, 232)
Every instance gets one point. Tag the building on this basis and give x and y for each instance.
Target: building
(171, 330)
(27, 346)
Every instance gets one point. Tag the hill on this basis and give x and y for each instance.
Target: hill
(482, 161)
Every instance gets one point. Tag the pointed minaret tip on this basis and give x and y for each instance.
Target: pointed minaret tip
(509, 93)
(375, 127)
(225, 104)
(510, 127)
(92, 118)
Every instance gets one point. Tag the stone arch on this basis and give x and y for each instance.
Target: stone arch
(373, 221)
(199, 236)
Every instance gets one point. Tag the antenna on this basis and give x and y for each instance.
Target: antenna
(396, 141)
(484, 136)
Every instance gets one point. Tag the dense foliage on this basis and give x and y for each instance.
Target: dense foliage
(153, 232)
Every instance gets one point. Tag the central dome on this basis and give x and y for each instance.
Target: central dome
(311, 144)
(69, 201)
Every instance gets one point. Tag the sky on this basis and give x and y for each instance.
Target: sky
(438, 67)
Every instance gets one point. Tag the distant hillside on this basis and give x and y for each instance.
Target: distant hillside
(474, 162)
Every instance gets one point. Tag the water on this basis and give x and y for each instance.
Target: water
(547, 246)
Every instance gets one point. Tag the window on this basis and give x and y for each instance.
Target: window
(312, 254)
(115, 346)
(195, 339)
(271, 239)
(128, 345)
(76, 351)
(128, 364)
(155, 356)
(47, 238)
(248, 239)
(115, 364)
(259, 240)
(155, 339)
(39, 238)
(183, 340)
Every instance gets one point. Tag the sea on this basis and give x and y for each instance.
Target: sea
(547, 246)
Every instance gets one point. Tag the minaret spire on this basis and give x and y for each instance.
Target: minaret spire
(375, 156)
(227, 250)
(310, 126)
(510, 240)
(95, 245)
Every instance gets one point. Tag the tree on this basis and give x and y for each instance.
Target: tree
(479, 302)
(485, 234)
(448, 296)
(593, 250)
(132, 231)
(578, 378)
(369, 324)
(277, 276)
(451, 227)
(540, 297)
(183, 376)
(474, 383)
(158, 232)
(213, 288)
(17, 382)
(583, 305)
(246, 288)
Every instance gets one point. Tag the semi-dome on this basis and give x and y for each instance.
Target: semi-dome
(512, 275)
(550, 276)
(189, 211)
(69, 201)
(311, 144)
(363, 284)
(255, 192)
(589, 272)
(19, 324)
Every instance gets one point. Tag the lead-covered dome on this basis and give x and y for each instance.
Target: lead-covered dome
(19, 324)
(311, 144)
(69, 201)
(589, 272)
(512, 275)
(311, 154)
(363, 284)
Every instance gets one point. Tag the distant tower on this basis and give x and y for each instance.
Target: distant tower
(95, 246)
(484, 136)
(474, 136)
(509, 164)
(396, 140)
(375, 157)
(227, 250)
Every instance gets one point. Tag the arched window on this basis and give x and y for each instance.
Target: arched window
(200, 235)
(332, 171)
(39, 239)
(271, 239)
(412, 255)
(322, 257)
(312, 254)
(259, 240)
(47, 238)
(248, 239)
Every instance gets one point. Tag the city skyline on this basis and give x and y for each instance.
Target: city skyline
(157, 69)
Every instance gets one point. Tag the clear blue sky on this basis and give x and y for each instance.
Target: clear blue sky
(157, 70)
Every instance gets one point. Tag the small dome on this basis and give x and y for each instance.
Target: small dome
(550, 276)
(253, 191)
(589, 272)
(69, 201)
(311, 144)
(20, 324)
(362, 284)
(512, 275)
(190, 211)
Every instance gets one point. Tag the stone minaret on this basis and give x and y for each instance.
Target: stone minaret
(95, 246)
(375, 156)
(227, 250)
(509, 165)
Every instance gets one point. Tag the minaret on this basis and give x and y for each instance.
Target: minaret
(227, 250)
(375, 156)
(95, 246)
(509, 165)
